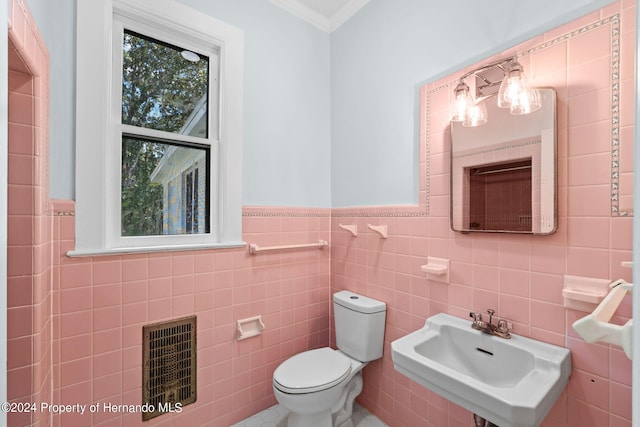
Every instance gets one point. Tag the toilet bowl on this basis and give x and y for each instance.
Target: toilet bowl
(319, 386)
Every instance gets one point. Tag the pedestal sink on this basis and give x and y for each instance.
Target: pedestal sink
(510, 382)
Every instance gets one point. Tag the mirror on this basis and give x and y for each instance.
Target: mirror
(503, 173)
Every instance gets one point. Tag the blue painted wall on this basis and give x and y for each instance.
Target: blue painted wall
(286, 100)
(329, 120)
(286, 104)
(56, 22)
(381, 57)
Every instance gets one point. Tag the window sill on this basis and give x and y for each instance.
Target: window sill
(152, 249)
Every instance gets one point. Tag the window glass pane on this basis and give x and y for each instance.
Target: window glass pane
(164, 87)
(164, 188)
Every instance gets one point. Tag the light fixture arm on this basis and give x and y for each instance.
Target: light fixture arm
(503, 64)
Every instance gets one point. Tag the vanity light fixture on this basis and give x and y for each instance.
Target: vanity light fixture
(514, 92)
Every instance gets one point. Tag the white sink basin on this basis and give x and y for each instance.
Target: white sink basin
(510, 382)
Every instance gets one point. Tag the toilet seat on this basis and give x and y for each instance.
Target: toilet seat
(312, 371)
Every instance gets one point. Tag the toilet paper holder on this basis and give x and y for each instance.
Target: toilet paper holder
(249, 327)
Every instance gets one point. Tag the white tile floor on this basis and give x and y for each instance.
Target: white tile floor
(276, 416)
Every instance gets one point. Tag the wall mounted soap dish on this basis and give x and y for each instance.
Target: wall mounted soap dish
(437, 269)
(583, 293)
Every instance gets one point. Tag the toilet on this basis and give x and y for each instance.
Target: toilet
(318, 386)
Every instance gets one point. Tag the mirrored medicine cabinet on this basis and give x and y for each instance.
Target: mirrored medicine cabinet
(503, 173)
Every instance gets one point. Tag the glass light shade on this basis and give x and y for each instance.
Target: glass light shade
(528, 102)
(461, 103)
(515, 92)
(476, 115)
(513, 84)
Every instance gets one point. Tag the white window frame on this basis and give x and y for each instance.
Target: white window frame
(98, 127)
(193, 169)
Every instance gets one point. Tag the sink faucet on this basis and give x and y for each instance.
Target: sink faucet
(502, 329)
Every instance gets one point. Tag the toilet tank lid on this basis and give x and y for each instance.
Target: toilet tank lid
(358, 303)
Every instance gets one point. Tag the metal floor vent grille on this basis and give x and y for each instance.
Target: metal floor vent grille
(168, 366)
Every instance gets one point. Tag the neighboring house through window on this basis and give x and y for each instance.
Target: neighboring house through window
(159, 128)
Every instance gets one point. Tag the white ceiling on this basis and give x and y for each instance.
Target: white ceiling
(324, 14)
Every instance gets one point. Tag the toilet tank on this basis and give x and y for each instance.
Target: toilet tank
(359, 324)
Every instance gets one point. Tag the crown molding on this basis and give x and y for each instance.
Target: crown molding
(346, 12)
(305, 13)
(318, 20)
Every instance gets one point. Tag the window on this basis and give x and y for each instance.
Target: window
(165, 88)
(164, 188)
(159, 129)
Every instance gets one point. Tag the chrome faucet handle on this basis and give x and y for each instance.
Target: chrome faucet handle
(477, 317)
(491, 313)
(504, 326)
(504, 329)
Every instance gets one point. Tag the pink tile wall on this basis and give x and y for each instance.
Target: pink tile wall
(29, 370)
(75, 324)
(101, 304)
(520, 276)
